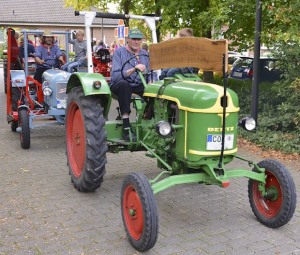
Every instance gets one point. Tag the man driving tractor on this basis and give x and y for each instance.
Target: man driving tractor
(47, 56)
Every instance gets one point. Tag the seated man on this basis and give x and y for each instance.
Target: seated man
(128, 60)
(80, 49)
(47, 56)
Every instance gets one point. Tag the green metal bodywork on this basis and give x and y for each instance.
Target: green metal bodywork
(194, 110)
(86, 80)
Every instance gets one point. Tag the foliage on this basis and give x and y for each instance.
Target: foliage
(288, 53)
(280, 19)
(87, 4)
(278, 114)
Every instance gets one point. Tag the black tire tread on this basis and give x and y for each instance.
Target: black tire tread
(25, 133)
(143, 187)
(5, 74)
(15, 97)
(96, 147)
(14, 125)
(288, 191)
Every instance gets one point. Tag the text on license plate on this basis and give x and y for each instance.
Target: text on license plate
(214, 142)
(236, 74)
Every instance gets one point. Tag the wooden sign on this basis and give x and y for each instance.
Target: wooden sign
(198, 52)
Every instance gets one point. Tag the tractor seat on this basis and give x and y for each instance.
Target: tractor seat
(103, 55)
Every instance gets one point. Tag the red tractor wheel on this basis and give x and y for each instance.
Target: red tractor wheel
(86, 140)
(277, 206)
(139, 212)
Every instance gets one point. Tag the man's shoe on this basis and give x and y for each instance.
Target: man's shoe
(126, 136)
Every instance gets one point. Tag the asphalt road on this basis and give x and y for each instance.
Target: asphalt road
(42, 213)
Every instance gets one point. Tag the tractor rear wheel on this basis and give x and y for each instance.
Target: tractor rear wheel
(23, 120)
(13, 125)
(139, 212)
(5, 74)
(86, 140)
(15, 97)
(277, 206)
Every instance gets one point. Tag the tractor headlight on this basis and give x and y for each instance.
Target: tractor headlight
(247, 123)
(47, 91)
(97, 84)
(163, 128)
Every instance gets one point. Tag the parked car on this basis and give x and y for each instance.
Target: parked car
(232, 57)
(243, 69)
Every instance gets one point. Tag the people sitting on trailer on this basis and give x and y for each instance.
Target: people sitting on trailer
(47, 56)
(128, 60)
(80, 48)
(169, 72)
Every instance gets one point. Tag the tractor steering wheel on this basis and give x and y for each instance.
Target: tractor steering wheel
(145, 73)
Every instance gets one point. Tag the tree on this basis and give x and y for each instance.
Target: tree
(208, 18)
(280, 19)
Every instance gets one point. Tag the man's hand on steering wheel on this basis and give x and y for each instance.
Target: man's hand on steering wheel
(135, 68)
(140, 67)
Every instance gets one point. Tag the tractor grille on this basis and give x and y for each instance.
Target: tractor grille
(61, 95)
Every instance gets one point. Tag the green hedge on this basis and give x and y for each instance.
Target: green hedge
(278, 113)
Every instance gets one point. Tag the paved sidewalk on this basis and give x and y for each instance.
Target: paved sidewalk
(42, 213)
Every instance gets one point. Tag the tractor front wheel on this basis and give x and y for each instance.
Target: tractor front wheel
(86, 140)
(139, 212)
(23, 121)
(276, 207)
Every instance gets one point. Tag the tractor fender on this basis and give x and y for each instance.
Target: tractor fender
(23, 107)
(18, 78)
(86, 81)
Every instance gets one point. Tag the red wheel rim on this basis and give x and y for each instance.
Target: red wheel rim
(268, 207)
(75, 139)
(133, 212)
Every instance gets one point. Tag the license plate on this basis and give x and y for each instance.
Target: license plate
(214, 142)
(236, 74)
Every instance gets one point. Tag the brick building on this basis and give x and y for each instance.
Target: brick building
(50, 16)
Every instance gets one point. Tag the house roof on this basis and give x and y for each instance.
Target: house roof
(44, 13)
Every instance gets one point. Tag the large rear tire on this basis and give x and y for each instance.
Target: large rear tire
(5, 74)
(139, 212)
(14, 125)
(86, 140)
(15, 97)
(277, 207)
(23, 119)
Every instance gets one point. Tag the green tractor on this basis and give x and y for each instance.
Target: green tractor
(189, 126)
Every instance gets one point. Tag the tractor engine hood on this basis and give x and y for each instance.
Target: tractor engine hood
(194, 96)
(52, 76)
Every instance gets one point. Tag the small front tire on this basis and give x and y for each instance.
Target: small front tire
(277, 207)
(139, 212)
(23, 120)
